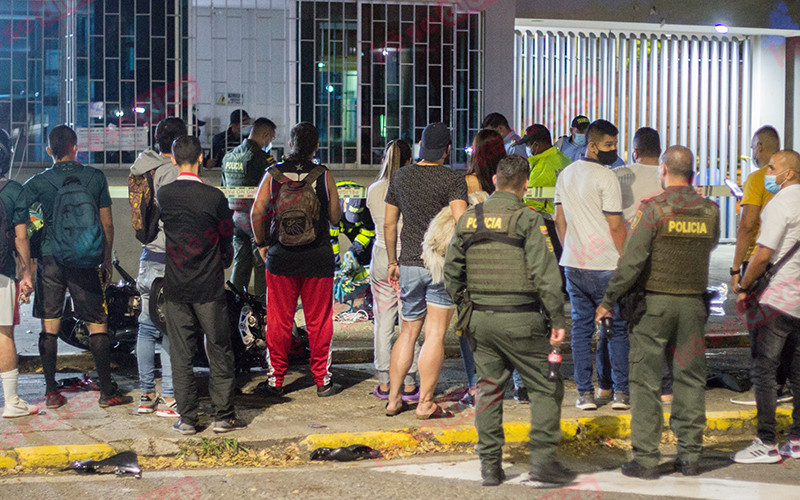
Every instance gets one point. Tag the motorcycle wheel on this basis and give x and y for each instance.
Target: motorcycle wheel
(156, 306)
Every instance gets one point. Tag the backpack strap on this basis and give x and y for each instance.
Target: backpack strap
(315, 173)
(277, 175)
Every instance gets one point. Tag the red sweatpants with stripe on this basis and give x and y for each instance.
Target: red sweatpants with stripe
(317, 297)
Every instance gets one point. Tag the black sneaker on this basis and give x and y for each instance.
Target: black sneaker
(521, 395)
(269, 391)
(232, 423)
(552, 472)
(327, 390)
(114, 399)
(492, 475)
(184, 428)
(635, 469)
(687, 468)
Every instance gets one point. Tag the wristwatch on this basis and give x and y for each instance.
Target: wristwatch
(739, 288)
(263, 244)
(735, 272)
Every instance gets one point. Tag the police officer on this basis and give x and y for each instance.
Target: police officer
(500, 264)
(244, 166)
(357, 224)
(668, 255)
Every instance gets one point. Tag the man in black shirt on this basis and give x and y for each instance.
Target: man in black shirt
(225, 141)
(198, 229)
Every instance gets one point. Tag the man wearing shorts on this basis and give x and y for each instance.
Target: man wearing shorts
(16, 245)
(419, 192)
(85, 284)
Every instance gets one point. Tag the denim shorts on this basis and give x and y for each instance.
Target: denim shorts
(417, 292)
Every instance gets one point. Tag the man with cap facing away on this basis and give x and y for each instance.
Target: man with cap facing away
(574, 145)
(226, 141)
(419, 192)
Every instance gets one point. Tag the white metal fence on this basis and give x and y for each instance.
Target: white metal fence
(694, 90)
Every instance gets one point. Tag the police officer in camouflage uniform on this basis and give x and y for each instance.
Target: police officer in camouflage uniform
(667, 255)
(244, 166)
(500, 267)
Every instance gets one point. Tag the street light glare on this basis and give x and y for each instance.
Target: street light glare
(721, 28)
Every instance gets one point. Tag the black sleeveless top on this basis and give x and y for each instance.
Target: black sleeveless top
(314, 260)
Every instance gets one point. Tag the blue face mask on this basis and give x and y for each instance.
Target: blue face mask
(580, 139)
(770, 184)
(267, 148)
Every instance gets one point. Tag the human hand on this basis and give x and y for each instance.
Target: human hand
(557, 336)
(735, 281)
(601, 313)
(26, 286)
(394, 276)
(263, 252)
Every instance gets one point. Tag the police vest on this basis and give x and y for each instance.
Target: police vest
(681, 251)
(244, 166)
(495, 255)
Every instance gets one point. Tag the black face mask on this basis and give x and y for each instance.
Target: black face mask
(607, 157)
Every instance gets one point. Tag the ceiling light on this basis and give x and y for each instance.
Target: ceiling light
(721, 28)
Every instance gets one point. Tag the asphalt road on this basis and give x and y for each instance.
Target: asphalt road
(434, 476)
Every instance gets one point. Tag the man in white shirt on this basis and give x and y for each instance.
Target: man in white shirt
(779, 309)
(588, 214)
(640, 180)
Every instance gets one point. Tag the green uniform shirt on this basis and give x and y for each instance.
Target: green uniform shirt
(545, 168)
(634, 261)
(37, 188)
(540, 261)
(16, 213)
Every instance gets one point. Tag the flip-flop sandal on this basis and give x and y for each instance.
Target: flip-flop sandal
(400, 409)
(412, 396)
(437, 413)
(378, 393)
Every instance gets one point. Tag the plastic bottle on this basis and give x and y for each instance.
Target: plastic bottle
(554, 364)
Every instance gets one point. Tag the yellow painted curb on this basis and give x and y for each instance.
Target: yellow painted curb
(81, 452)
(8, 459)
(43, 456)
(374, 439)
(457, 434)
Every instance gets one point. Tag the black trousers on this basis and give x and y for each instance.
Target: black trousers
(185, 323)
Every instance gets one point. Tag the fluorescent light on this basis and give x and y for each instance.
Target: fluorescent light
(139, 110)
(721, 28)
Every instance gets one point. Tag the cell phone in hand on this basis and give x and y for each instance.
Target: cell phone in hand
(735, 189)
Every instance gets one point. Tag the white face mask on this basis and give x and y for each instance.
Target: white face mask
(580, 139)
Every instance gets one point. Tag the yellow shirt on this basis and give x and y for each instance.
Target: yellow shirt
(757, 195)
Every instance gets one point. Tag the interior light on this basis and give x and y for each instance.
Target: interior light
(721, 28)
(139, 109)
(330, 88)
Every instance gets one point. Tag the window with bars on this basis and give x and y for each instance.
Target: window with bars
(694, 90)
(125, 70)
(29, 76)
(370, 72)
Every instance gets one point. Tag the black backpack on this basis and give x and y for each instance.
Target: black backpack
(6, 230)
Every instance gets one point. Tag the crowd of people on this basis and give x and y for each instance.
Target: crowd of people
(627, 246)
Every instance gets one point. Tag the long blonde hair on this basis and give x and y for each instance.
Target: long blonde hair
(396, 155)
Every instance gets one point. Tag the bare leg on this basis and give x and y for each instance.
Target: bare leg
(8, 351)
(431, 356)
(402, 357)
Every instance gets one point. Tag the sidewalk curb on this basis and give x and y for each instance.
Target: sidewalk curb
(53, 456)
(601, 427)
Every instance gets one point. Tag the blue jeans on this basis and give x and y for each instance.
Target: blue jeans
(586, 288)
(469, 361)
(149, 335)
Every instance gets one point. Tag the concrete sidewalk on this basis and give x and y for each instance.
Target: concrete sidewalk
(81, 429)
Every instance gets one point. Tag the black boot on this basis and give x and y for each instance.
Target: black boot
(552, 472)
(635, 469)
(492, 475)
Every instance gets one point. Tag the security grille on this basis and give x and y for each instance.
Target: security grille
(371, 72)
(694, 90)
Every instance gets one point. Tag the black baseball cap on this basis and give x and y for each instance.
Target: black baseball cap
(435, 139)
(580, 122)
(238, 115)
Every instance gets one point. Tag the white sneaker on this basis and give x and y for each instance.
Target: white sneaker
(19, 409)
(757, 453)
(167, 410)
(792, 447)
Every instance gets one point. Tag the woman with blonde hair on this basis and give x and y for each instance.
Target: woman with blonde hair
(386, 300)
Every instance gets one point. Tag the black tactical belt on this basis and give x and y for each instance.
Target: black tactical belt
(532, 307)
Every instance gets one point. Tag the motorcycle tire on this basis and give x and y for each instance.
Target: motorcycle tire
(156, 305)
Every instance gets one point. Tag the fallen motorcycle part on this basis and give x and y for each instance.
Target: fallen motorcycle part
(346, 453)
(125, 462)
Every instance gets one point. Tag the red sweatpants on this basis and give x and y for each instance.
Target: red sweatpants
(317, 297)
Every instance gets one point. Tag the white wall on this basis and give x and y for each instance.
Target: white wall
(242, 51)
(769, 84)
